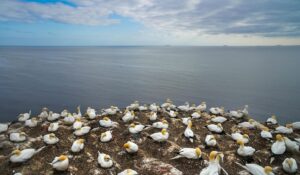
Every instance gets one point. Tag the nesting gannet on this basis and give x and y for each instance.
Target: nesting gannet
(296, 125)
(153, 107)
(236, 114)
(188, 133)
(17, 137)
(219, 119)
(245, 110)
(3, 127)
(60, 163)
(110, 111)
(214, 167)
(31, 122)
(244, 150)
(77, 124)
(284, 129)
(189, 153)
(50, 139)
(53, 127)
(129, 115)
(25, 116)
(186, 120)
(104, 160)
(192, 107)
(128, 172)
(238, 136)
(278, 147)
(78, 114)
(107, 123)
(210, 140)
(77, 145)
(185, 107)
(91, 113)
(44, 114)
(134, 129)
(143, 108)
(265, 133)
(272, 120)
(152, 116)
(133, 106)
(131, 147)
(53, 116)
(289, 165)
(82, 131)
(172, 114)
(257, 169)
(196, 114)
(160, 136)
(106, 136)
(161, 125)
(216, 110)
(19, 156)
(201, 107)
(292, 146)
(215, 128)
(69, 119)
(168, 105)
(251, 124)
(64, 113)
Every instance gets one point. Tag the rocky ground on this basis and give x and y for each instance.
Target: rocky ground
(152, 158)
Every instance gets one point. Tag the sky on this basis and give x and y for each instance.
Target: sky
(149, 22)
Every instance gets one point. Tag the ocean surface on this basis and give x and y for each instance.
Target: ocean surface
(265, 78)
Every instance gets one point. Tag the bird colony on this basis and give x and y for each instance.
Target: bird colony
(149, 139)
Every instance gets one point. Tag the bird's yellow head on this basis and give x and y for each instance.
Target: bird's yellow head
(198, 151)
(107, 157)
(106, 118)
(165, 122)
(240, 142)
(245, 136)
(132, 125)
(164, 131)
(203, 103)
(51, 135)
(268, 169)
(289, 125)
(219, 124)
(279, 137)
(22, 134)
(126, 145)
(251, 121)
(81, 141)
(273, 117)
(62, 157)
(190, 124)
(132, 113)
(78, 119)
(215, 155)
(16, 152)
(265, 128)
(33, 119)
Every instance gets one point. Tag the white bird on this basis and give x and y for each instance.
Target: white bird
(215, 128)
(251, 124)
(219, 119)
(82, 131)
(172, 114)
(189, 153)
(3, 127)
(128, 172)
(107, 123)
(69, 119)
(255, 169)
(238, 136)
(31, 122)
(77, 124)
(216, 110)
(64, 113)
(50, 139)
(143, 108)
(244, 150)
(25, 116)
(160, 136)
(134, 129)
(17, 136)
(111, 111)
(201, 107)
(168, 105)
(214, 167)
(53, 116)
(152, 116)
(236, 114)
(131, 147)
(245, 110)
(53, 127)
(129, 115)
(78, 114)
(188, 132)
(19, 156)
(210, 140)
(289, 165)
(161, 125)
(186, 120)
(292, 146)
(133, 106)
(77, 145)
(185, 107)
(91, 113)
(60, 163)
(278, 147)
(104, 160)
(153, 107)
(44, 114)
(272, 120)
(296, 125)
(106, 136)
(265, 133)
(284, 129)
(196, 114)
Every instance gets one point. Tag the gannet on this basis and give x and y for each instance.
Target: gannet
(272, 120)
(31, 122)
(60, 163)
(77, 124)
(152, 116)
(44, 114)
(255, 169)
(219, 119)
(3, 127)
(216, 110)
(185, 107)
(134, 129)
(214, 167)
(201, 107)
(236, 114)
(106, 136)
(131, 147)
(128, 172)
(53, 127)
(245, 110)
(78, 114)
(53, 116)
(82, 131)
(104, 160)
(129, 115)
(19, 156)
(189, 153)
(153, 107)
(244, 150)
(210, 140)
(64, 113)
(173, 114)
(91, 113)
(50, 139)
(69, 119)
(296, 125)
(77, 145)
(17, 136)
(188, 133)
(196, 114)
(238, 136)
(265, 133)
(161, 125)
(284, 129)
(111, 111)
(186, 120)
(143, 108)
(289, 165)
(168, 105)
(107, 123)
(251, 124)
(291, 145)
(278, 147)
(133, 106)
(215, 128)
(160, 136)
(23, 117)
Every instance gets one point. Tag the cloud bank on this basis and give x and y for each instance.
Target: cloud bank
(268, 18)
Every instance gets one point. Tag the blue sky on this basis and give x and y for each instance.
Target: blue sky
(149, 22)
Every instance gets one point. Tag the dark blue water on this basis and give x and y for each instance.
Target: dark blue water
(265, 78)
